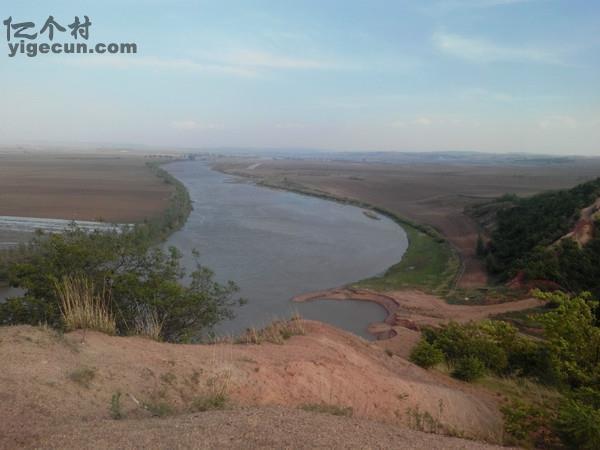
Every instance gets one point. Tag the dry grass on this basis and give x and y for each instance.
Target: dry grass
(82, 307)
(147, 323)
(82, 376)
(277, 332)
(324, 408)
(215, 394)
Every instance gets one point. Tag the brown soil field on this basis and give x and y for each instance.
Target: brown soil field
(56, 392)
(112, 187)
(432, 194)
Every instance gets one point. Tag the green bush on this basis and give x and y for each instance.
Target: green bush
(578, 425)
(487, 341)
(141, 278)
(469, 368)
(426, 355)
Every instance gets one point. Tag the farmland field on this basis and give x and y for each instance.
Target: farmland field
(112, 188)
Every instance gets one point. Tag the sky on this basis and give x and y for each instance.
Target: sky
(365, 75)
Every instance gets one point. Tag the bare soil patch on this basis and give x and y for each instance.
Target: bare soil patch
(45, 398)
(114, 188)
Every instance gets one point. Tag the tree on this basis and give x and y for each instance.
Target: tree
(572, 336)
(140, 276)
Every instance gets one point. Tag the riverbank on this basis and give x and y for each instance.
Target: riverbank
(179, 205)
(430, 262)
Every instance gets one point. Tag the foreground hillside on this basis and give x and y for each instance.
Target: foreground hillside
(60, 391)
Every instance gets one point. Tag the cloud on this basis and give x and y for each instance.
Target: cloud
(189, 125)
(482, 51)
(558, 122)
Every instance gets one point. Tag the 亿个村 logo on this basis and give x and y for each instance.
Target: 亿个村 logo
(22, 37)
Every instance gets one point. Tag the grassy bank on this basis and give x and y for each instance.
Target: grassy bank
(429, 263)
(178, 209)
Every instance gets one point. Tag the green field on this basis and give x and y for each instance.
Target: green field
(429, 264)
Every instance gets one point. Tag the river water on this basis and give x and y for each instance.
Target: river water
(276, 244)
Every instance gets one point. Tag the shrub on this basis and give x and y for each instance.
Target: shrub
(143, 279)
(469, 368)
(426, 355)
(521, 420)
(578, 425)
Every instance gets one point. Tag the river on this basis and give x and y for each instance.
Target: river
(276, 244)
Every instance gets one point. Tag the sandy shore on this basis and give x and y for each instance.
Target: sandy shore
(412, 310)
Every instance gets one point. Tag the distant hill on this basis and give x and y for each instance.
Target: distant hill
(553, 236)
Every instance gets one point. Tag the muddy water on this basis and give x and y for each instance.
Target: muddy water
(277, 244)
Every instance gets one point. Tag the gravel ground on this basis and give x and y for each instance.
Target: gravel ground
(250, 428)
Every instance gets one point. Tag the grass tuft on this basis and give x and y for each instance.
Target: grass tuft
(209, 402)
(216, 395)
(147, 323)
(115, 406)
(82, 307)
(277, 332)
(159, 408)
(83, 376)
